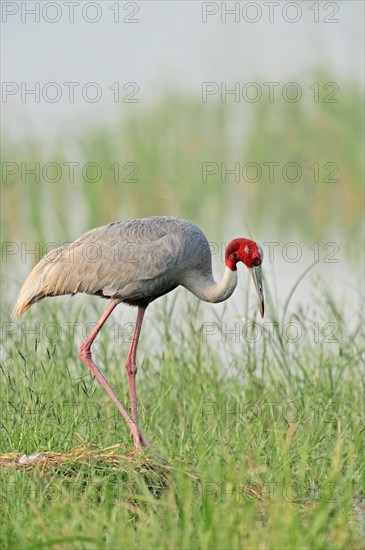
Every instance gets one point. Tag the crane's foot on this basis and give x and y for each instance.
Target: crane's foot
(141, 444)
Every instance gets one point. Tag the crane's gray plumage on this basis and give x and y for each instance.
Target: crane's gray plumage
(134, 261)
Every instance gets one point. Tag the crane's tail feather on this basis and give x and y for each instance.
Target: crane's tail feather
(46, 279)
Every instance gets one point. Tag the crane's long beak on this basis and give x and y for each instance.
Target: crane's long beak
(257, 279)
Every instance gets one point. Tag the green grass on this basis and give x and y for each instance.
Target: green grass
(263, 440)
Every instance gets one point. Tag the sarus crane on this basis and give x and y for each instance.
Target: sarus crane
(135, 262)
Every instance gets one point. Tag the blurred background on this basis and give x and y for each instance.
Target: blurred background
(244, 117)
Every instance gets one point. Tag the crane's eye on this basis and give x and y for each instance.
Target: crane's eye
(247, 250)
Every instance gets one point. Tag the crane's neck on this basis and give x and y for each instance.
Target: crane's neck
(208, 290)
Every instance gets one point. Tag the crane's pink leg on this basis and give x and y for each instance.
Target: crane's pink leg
(85, 354)
(130, 364)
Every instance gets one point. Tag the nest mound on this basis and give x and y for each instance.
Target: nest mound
(109, 457)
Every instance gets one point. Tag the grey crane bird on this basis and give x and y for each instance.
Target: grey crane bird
(135, 262)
